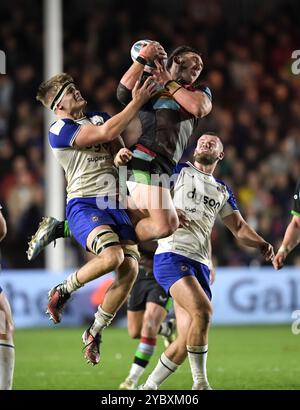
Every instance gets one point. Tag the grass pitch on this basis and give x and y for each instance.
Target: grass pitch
(253, 357)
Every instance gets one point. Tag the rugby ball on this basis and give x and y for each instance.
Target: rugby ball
(136, 48)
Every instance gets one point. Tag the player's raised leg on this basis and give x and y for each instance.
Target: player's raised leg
(114, 298)
(104, 243)
(161, 219)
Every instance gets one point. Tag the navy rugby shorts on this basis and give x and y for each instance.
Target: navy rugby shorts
(85, 214)
(169, 267)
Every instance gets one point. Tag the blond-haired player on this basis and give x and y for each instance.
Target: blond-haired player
(82, 142)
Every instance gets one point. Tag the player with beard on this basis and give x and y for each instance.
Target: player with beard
(167, 123)
(181, 260)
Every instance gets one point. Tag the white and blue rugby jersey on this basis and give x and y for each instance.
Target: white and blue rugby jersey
(89, 170)
(203, 198)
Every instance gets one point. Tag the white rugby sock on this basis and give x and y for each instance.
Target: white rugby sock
(72, 283)
(197, 358)
(102, 320)
(135, 372)
(7, 363)
(164, 368)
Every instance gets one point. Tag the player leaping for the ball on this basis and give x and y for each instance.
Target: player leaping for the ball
(82, 142)
(168, 120)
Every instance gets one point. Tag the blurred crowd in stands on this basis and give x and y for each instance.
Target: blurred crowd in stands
(246, 48)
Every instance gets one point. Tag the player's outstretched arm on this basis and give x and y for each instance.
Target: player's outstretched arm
(196, 102)
(147, 54)
(290, 241)
(111, 129)
(247, 235)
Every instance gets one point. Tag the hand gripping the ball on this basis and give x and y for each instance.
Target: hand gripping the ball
(148, 51)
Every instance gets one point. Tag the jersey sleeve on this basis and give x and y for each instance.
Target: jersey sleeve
(62, 133)
(296, 202)
(123, 94)
(206, 90)
(230, 205)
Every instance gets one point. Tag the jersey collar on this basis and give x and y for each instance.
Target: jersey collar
(198, 170)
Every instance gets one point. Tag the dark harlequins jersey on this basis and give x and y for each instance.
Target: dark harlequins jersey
(166, 126)
(296, 204)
